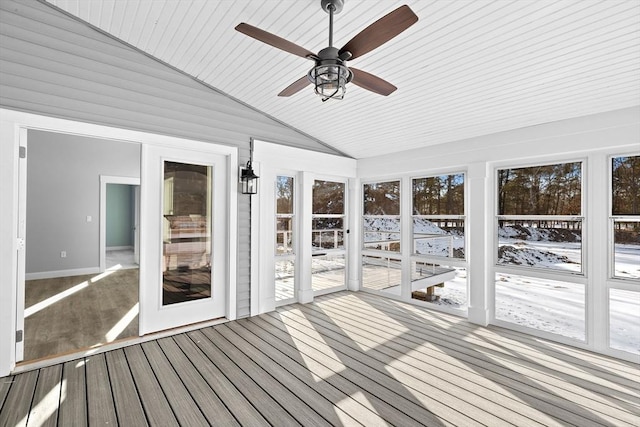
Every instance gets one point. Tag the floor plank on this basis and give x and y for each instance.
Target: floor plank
(286, 398)
(268, 407)
(5, 385)
(73, 409)
(46, 400)
(101, 409)
(15, 410)
(578, 378)
(125, 396)
(312, 374)
(203, 394)
(346, 359)
(360, 387)
(154, 402)
(178, 395)
(304, 390)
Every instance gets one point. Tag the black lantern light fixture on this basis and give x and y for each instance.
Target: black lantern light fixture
(248, 177)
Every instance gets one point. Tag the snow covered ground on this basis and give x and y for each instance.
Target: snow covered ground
(547, 305)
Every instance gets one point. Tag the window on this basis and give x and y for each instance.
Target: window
(328, 215)
(624, 320)
(539, 280)
(438, 216)
(439, 236)
(381, 219)
(625, 217)
(539, 217)
(284, 250)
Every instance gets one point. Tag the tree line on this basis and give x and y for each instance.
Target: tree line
(541, 190)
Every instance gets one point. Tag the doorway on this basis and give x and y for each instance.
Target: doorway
(72, 299)
(119, 222)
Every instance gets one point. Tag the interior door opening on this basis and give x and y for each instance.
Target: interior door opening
(71, 301)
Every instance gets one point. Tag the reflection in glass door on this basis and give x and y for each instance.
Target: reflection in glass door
(328, 272)
(186, 235)
(285, 256)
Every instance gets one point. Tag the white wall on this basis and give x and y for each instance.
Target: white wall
(63, 189)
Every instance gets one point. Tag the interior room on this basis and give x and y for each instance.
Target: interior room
(320, 212)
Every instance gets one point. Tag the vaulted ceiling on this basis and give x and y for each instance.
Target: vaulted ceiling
(466, 68)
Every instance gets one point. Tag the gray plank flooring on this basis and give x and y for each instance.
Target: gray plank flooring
(346, 359)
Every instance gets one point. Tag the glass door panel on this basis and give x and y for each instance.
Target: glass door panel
(328, 266)
(186, 240)
(285, 257)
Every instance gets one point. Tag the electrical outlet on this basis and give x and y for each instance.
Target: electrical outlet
(63, 254)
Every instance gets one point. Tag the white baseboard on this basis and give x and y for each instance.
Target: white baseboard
(119, 248)
(62, 273)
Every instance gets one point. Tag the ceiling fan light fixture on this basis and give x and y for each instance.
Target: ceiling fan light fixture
(330, 81)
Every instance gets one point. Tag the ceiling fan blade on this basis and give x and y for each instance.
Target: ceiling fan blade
(295, 87)
(370, 82)
(273, 40)
(380, 32)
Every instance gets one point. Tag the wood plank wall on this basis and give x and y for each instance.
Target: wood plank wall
(55, 65)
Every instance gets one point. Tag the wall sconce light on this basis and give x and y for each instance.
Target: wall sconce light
(248, 178)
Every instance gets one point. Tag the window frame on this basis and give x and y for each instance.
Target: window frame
(382, 252)
(611, 221)
(556, 274)
(458, 262)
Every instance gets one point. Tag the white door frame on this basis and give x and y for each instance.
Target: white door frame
(273, 159)
(104, 180)
(15, 123)
(154, 316)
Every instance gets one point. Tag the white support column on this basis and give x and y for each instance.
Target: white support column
(595, 244)
(305, 190)
(406, 245)
(480, 229)
(354, 210)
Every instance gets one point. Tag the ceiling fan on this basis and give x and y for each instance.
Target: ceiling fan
(330, 74)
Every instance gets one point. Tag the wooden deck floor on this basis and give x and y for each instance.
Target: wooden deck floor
(347, 359)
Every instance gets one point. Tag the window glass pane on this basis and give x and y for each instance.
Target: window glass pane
(546, 305)
(624, 320)
(328, 233)
(328, 197)
(626, 236)
(439, 284)
(540, 190)
(284, 235)
(285, 278)
(626, 185)
(541, 243)
(382, 233)
(186, 245)
(438, 237)
(439, 195)
(382, 198)
(327, 271)
(284, 195)
(381, 274)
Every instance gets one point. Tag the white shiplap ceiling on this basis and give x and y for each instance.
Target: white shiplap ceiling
(467, 68)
